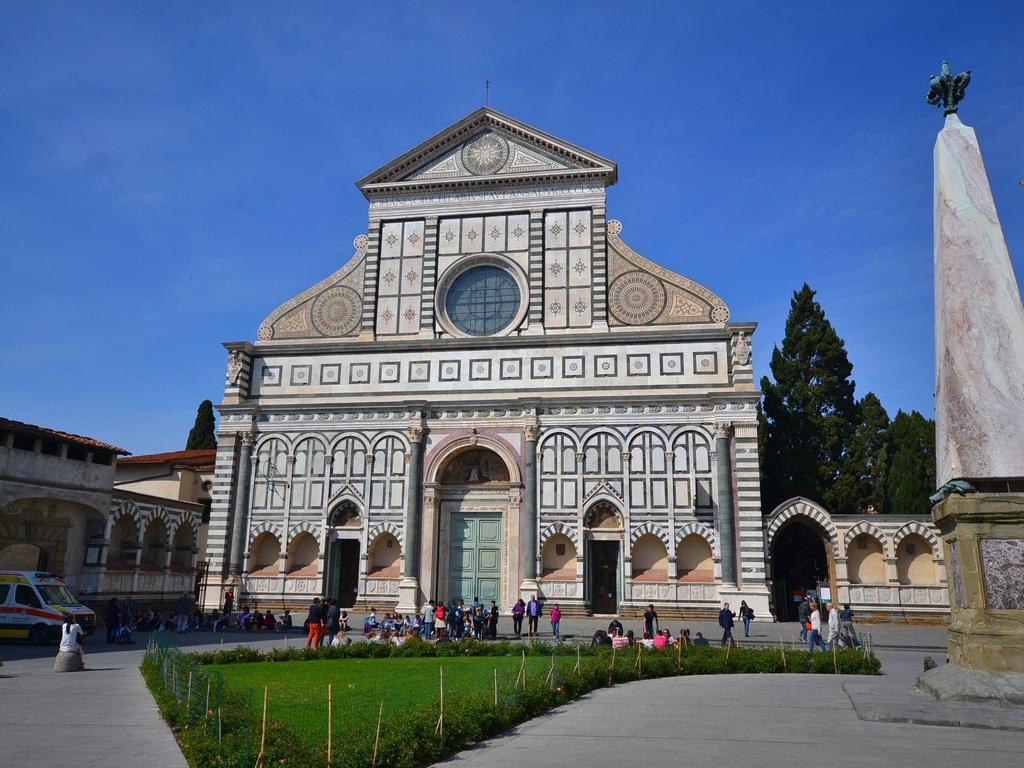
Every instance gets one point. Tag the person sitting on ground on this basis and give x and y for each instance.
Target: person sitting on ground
(219, 622)
(371, 618)
(286, 620)
(647, 640)
(620, 640)
(614, 626)
(343, 622)
(269, 622)
(660, 640)
(631, 636)
(256, 624)
(123, 634)
(197, 619)
(699, 639)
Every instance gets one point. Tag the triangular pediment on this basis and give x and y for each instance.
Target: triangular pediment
(487, 146)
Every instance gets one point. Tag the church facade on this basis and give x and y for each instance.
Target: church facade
(495, 397)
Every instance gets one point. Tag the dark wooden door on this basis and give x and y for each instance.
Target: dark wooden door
(343, 572)
(604, 576)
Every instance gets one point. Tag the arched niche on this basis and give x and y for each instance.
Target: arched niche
(384, 557)
(475, 466)
(915, 561)
(303, 552)
(649, 559)
(264, 555)
(865, 560)
(695, 560)
(558, 559)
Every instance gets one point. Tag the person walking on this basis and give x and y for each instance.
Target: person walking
(651, 621)
(113, 619)
(833, 626)
(814, 635)
(846, 622)
(746, 616)
(556, 618)
(332, 620)
(803, 614)
(518, 611)
(428, 620)
(315, 622)
(727, 620)
(181, 612)
(533, 615)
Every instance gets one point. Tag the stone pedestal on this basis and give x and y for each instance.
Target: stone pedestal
(408, 596)
(983, 539)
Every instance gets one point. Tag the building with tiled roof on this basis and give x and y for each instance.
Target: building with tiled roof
(55, 492)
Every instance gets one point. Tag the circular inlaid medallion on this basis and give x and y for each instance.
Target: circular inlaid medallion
(484, 155)
(636, 298)
(336, 311)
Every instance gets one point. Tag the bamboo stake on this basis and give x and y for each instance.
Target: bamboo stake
(576, 669)
(222, 644)
(188, 699)
(440, 719)
(522, 671)
(206, 711)
(219, 735)
(330, 729)
(835, 662)
(728, 648)
(679, 653)
(495, 687)
(782, 650)
(638, 666)
(380, 716)
(551, 672)
(263, 734)
(174, 679)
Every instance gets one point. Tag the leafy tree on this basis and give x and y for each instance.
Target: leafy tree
(809, 410)
(202, 435)
(911, 471)
(861, 482)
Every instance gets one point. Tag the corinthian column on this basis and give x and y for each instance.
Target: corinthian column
(239, 518)
(409, 586)
(726, 527)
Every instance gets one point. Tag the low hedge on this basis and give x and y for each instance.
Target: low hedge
(410, 739)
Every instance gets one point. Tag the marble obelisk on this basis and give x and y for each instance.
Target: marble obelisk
(979, 321)
(979, 419)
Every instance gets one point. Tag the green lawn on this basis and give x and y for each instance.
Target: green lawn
(298, 690)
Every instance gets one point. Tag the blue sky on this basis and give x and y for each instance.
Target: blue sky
(173, 172)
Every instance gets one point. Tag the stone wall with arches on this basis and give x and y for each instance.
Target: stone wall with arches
(886, 566)
(148, 548)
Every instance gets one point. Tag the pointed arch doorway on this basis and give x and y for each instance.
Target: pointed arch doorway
(341, 572)
(603, 532)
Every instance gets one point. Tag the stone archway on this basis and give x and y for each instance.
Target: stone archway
(802, 549)
(471, 517)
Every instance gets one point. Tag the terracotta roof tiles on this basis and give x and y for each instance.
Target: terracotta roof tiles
(55, 434)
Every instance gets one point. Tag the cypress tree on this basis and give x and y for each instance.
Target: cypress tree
(809, 409)
(861, 483)
(911, 472)
(202, 435)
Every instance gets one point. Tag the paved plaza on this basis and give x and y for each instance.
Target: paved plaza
(106, 716)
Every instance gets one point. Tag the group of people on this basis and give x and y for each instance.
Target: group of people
(841, 631)
(124, 619)
(654, 636)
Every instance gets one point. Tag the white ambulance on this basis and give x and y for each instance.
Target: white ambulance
(33, 605)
